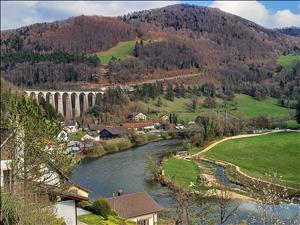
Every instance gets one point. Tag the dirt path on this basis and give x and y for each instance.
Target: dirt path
(229, 138)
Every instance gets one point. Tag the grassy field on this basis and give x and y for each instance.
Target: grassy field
(246, 105)
(273, 153)
(287, 61)
(182, 172)
(121, 51)
(92, 219)
(250, 107)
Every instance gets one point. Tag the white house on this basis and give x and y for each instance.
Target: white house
(71, 126)
(5, 173)
(63, 136)
(138, 207)
(137, 117)
(66, 205)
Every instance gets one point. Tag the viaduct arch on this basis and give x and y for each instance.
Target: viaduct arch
(66, 103)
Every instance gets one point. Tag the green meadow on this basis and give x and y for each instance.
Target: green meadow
(288, 61)
(121, 51)
(181, 171)
(244, 105)
(272, 153)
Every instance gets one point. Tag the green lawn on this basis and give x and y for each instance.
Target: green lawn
(183, 172)
(288, 61)
(93, 219)
(278, 152)
(121, 51)
(250, 107)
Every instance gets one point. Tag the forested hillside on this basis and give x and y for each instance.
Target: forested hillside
(234, 53)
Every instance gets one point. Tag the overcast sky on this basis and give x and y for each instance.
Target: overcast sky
(270, 14)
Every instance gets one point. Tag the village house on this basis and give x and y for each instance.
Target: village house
(71, 126)
(108, 133)
(138, 207)
(165, 118)
(95, 127)
(137, 117)
(62, 136)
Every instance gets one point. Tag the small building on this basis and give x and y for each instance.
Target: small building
(165, 118)
(137, 117)
(108, 133)
(71, 126)
(87, 137)
(138, 207)
(62, 136)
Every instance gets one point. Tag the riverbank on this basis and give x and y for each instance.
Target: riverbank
(100, 149)
(199, 179)
(231, 176)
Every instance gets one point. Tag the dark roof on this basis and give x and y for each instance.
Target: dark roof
(114, 130)
(134, 205)
(70, 123)
(95, 127)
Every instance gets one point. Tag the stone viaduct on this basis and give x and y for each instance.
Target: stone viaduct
(68, 104)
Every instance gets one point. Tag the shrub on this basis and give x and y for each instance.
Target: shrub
(110, 146)
(101, 207)
(96, 150)
(139, 139)
(87, 205)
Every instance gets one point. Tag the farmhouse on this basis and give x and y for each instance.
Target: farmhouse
(138, 207)
(137, 117)
(108, 133)
(71, 126)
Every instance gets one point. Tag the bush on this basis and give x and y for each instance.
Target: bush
(117, 145)
(96, 150)
(139, 139)
(101, 207)
(87, 205)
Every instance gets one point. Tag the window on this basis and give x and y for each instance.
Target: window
(7, 178)
(143, 222)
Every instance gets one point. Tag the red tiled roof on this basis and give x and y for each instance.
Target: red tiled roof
(137, 124)
(134, 205)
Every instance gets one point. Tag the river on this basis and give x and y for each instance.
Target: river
(126, 171)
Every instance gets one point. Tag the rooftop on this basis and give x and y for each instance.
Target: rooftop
(134, 205)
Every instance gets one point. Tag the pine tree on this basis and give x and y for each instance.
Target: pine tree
(297, 117)
(170, 93)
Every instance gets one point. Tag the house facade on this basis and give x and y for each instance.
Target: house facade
(110, 133)
(71, 126)
(137, 117)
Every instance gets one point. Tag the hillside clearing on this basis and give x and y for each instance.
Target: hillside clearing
(272, 153)
(250, 107)
(121, 51)
(288, 61)
(245, 105)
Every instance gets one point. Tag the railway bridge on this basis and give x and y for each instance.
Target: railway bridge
(68, 104)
